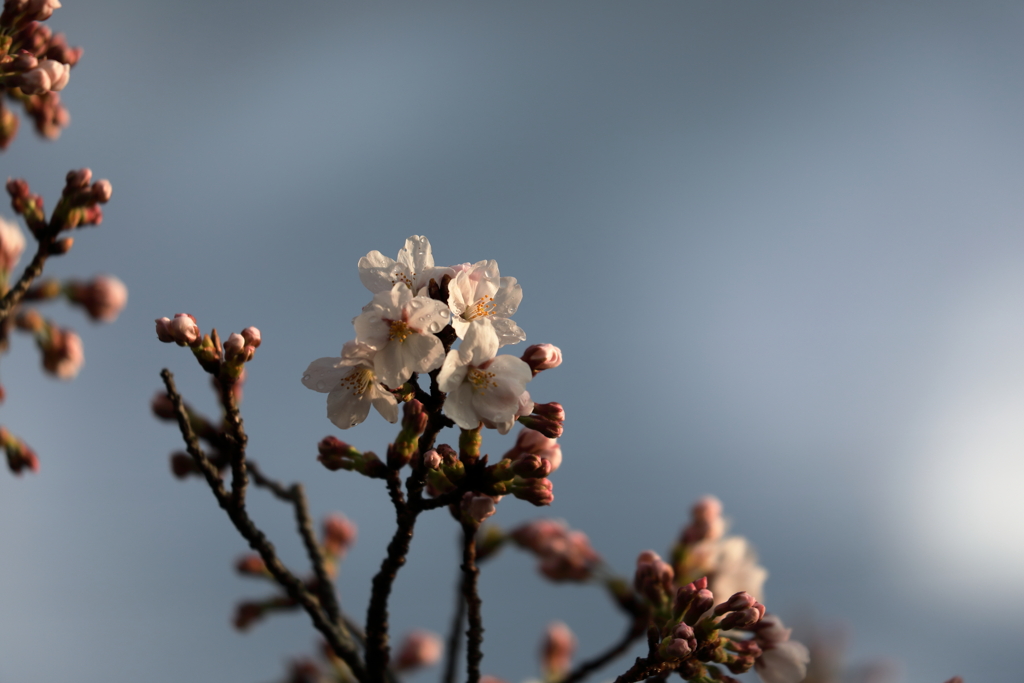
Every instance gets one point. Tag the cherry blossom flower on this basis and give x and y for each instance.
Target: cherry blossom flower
(402, 327)
(479, 294)
(483, 388)
(419, 648)
(351, 385)
(782, 660)
(414, 268)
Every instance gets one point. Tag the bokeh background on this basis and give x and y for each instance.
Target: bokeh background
(779, 243)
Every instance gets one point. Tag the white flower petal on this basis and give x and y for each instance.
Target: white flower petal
(323, 374)
(375, 272)
(453, 372)
(507, 331)
(422, 352)
(784, 663)
(386, 405)
(389, 365)
(345, 408)
(459, 407)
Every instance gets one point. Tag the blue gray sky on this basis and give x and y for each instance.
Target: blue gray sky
(779, 243)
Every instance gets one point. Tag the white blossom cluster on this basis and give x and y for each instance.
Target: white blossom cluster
(396, 337)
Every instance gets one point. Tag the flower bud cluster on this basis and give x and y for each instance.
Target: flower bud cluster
(705, 550)
(565, 555)
(335, 454)
(63, 355)
(103, 297)
(34, 65)
(695, 632)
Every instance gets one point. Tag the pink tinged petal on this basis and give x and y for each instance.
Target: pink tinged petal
(507, 331)
(357, 353)
(459, 407)
(784, 663)
(323, 375)
(453, 372)
(346, 408)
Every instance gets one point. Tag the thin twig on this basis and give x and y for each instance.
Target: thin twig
(584, 669)
(236, 434)
(643, 667)
(475, 632)
(340, 643)
(33, 270)
(377, 649)
(455, 636)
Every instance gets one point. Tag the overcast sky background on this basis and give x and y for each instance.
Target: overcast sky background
(779, 244)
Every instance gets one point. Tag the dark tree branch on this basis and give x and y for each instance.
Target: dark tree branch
(475, 632)
(455, 636)
(338, 640)
(33, 270)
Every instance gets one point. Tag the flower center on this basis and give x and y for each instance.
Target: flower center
(481, 380)
(481, 309)
(399, 331)
(358, 381)
(403, 278)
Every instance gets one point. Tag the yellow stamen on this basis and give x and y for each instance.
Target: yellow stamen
(358, 381)
(481, 380)
(481, 309)
(399, 331)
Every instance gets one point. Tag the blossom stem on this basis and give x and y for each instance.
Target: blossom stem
(296, 495)
(470, 573)
(33, 270)
(584, 669)
(339, 641)
(455, 635)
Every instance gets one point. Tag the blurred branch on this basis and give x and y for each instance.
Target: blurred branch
(339, 641)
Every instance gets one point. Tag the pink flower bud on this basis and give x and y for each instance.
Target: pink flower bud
(21, 62)
(252, 336)
(251, 565)
(539, 492)
(103, 298)
(551, 411)
(78, 180)
(707, 522)
(234, 348)
(63, 355)
(102, 191)
(548, 428)
(339, 534)
(556, 650)
(162, 407)
(475, 509)
(542, 357)
(701, 603)
(41, 10)
(740, 619)
(183, 330)
(418, 649)
(532, 467)
(533, 442)
(653, 577)
(739, 601)
(431, 459)
(34, 82)
(58, 73)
